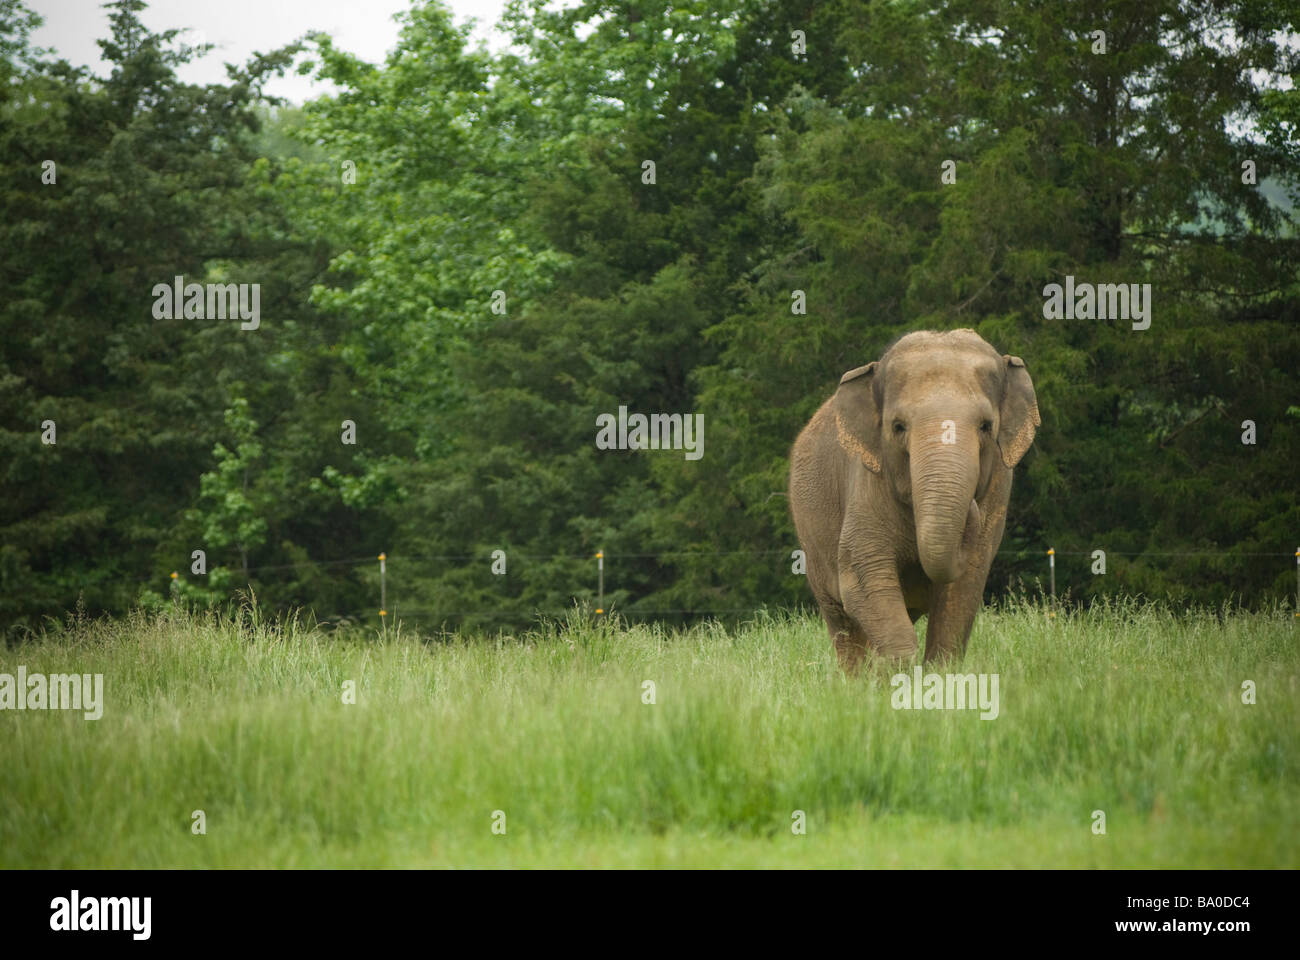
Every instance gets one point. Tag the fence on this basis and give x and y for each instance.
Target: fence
(599, 557)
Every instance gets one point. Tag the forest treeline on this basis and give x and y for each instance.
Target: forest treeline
(465, 258)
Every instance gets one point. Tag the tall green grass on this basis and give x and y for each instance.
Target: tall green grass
(1127, 709)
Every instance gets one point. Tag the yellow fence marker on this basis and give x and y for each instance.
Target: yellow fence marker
(1051, 563)
(383, 590)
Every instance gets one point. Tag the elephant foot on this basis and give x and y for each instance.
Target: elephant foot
(945, 649)
(897, 648)
(850, 652)
(940, 654)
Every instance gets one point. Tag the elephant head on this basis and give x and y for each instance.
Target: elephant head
(937, 415)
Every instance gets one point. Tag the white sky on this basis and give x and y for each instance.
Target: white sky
(238, 27)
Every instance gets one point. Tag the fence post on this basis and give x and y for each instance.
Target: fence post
(1297, 581)
(1051, 564)
(600, 581)
(383, 592)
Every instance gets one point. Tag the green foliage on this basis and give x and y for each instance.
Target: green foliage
(229, 515)
(381, 222)
(153, 179)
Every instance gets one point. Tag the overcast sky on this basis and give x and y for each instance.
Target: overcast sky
(238, 27)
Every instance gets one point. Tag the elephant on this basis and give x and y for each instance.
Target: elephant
(899, 487)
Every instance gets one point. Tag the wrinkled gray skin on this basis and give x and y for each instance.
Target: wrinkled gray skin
(894, 522)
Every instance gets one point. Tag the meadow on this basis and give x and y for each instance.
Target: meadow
(1133, 710)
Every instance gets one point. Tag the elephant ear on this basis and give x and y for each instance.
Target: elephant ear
(857, 418)
(1018, 413)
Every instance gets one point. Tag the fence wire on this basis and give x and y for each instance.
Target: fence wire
(487, 558)
(403, 562)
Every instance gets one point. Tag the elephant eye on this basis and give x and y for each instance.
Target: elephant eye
(899, 427)
(986, 426)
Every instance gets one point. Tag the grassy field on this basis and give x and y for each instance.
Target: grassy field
(1131, 711)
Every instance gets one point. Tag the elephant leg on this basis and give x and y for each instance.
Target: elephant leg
(849, 642)
(951, 619)
(873, 598)
(850, 645)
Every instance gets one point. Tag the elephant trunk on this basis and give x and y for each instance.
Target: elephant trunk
(944, 477)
